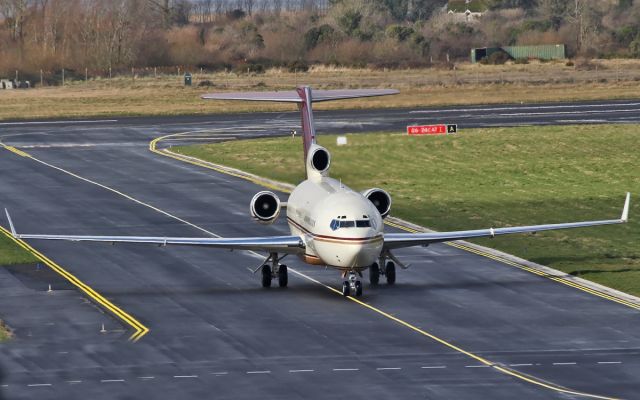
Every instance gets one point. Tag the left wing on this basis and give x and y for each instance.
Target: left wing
(398, 240)
(280, 244)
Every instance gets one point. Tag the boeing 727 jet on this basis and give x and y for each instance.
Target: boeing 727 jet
(331, 225)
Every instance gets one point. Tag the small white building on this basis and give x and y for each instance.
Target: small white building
(7, 84)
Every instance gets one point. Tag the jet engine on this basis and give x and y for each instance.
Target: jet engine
(265, 207)
(380, 199)
(319, 159)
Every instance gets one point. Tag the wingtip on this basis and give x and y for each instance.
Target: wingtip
(13, 229)
(625, 209)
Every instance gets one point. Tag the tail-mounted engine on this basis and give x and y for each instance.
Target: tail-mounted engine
(318, 161)
(265, 207)
(380, 199)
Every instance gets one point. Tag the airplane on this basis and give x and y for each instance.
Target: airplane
(331, 225)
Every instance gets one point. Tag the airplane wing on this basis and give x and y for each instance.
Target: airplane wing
(280, 244)
(398, 240)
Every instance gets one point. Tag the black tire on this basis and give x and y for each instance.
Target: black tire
(358, 288)
(266, 276)
(374, 274)
(346, 289)
(283, 277)
(391, 273)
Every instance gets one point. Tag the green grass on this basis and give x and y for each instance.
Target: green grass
(11, 253)
(490, 177)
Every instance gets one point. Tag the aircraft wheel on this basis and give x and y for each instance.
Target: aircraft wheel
(346, 288)
(374, 274)
(283, 277)
(266, 276)
(391, 273)
(358, 289)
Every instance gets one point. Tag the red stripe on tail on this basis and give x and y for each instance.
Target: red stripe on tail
(308, 128)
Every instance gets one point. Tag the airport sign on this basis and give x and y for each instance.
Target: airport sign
(440, 129)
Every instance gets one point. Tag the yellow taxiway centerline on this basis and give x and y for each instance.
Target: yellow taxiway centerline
(527, 378)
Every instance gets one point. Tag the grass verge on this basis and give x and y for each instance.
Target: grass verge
(11, 254)
(489, 177)
(466, 84)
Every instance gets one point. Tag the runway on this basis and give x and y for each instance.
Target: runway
(214, 332)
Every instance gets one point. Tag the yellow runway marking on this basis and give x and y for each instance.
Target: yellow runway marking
(18, 152)
(139, 328)
(497, 367)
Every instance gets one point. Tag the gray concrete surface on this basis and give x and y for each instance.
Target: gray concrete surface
(215, 333)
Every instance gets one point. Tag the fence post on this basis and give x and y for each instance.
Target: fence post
(86, 75)
(109, 73)
(16, 76)
(63, 77)
(41, 79)
(133, 73)
(155, 72)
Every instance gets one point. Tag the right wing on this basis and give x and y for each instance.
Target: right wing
(280, 244)
(399, 240)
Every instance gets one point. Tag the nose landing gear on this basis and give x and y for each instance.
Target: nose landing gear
(352, 284)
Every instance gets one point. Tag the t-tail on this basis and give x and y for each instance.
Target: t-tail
(304, 97)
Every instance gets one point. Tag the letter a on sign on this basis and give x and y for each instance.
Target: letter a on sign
(452, 128)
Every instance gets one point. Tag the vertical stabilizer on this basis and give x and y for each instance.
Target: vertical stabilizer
(304, 97)
(306, 111)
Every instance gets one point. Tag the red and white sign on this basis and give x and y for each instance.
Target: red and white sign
(441, 129)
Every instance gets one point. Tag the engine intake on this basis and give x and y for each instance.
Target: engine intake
(380, 199)
(265, 207)
(320, 159)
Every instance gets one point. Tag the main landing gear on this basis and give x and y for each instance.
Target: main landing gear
(352, 284)
(389, 271)
(273, 271)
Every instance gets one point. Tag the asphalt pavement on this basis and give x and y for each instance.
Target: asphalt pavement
(455, 326)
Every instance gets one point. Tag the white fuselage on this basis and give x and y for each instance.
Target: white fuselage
(340, 227)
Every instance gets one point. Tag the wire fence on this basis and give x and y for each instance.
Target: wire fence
(452, 75)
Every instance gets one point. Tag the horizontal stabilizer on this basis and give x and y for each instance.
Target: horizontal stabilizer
(291, 96)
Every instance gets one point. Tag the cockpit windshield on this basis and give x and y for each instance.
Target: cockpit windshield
(341, 223)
